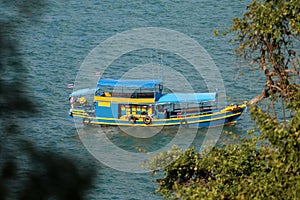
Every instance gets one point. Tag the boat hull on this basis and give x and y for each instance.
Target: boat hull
(213, 119)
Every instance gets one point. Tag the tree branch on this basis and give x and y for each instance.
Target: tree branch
(264, 94)
(286, 71)
(292, 71)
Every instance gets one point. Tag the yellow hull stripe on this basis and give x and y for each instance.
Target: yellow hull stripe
(83, 114)
(124, 100)
(168, 124)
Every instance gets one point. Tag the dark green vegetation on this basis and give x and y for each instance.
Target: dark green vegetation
(258, 167)
(26, 171)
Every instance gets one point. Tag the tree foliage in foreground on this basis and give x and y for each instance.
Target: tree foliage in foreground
(259, 167)
(248, 170)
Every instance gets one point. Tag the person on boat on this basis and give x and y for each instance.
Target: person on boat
(167, 114)
(71, 99)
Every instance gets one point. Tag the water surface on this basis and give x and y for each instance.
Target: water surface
(55, 45)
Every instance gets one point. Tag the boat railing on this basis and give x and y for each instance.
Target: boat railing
(87, 107)
(129, 95)
(143, 95)
(186, 112)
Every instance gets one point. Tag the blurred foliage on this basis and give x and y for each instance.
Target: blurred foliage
(259, 167)
(27, 172)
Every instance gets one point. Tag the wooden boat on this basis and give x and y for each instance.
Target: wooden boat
(143, 103)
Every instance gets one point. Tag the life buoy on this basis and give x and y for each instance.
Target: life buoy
(147, 120)
(132, 119)
(184, 123)
(86, 120)
(82, 100)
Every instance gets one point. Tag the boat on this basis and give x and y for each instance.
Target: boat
(143, 103)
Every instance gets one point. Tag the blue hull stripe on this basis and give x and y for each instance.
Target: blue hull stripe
(215, 119)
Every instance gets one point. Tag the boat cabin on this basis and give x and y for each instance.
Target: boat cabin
(177, 105)
(122, 98)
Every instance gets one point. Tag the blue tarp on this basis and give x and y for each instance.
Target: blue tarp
(83, 92)
(128, 83)
(187, 97)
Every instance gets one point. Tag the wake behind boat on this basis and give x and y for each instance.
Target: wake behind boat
(143, 103)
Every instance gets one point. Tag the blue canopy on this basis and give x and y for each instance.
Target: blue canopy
(82, 92)
(128, 83)
(187, 97)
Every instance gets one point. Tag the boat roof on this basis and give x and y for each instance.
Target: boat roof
(85, 91)
(129, 83)
(187, 97)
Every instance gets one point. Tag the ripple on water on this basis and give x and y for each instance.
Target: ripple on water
(55, 45)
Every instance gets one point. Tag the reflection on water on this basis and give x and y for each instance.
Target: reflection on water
(120, 150)
(125, 149)
(153, 138)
